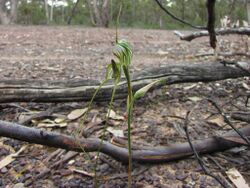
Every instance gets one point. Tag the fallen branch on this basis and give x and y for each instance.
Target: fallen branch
(242, 116)
(177, 18)
(153, 155)
(221, 31)
(82, 90)
(226, 54)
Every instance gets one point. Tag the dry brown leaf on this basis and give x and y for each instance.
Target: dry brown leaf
(10, 158)
(114, 116)
(115, 132)
(190, 87)
(235, 176)
(195, 99)
(59, 120)
(245, 86)
(216, 120)
(52, 124)
(19, 185)
(77, 113)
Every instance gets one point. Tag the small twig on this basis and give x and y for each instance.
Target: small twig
(228, 121)
(176, 18)
(216, 163)
(196, 154)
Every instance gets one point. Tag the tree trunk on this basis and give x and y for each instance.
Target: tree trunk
(73, 12)
(91, 12)
(11, 17)
(248, 11)
(3, 13)
(105, 13)
(46, 11)
(51, 10)
(82, 90)
(13, 10)
(99, 13)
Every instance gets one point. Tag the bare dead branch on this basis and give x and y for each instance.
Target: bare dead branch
(218, 31)
(176, 18)
(224, 54)
(153, 155)
(242, 116)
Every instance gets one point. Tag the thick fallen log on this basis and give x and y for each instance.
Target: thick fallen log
(148, 155)
(222, 31)
(242, 116)
(82, 90)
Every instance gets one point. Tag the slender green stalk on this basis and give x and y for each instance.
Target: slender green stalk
(79, 131)
(117, 24)
(103, 133)
(129, 121)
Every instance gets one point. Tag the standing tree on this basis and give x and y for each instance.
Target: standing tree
(248, 10)
(8, 13)
(46, 10)
(99, 12)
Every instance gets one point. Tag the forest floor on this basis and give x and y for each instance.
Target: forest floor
(63, 53)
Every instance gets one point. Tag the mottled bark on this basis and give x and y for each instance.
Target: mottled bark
(99, 13)
(11, 16)
(46, 8)
(248, 11)
(82, 90)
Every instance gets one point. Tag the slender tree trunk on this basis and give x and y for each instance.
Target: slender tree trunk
(13, 10)
(11, 17)
(105, 13)
(73, 12)
(46, 10)
(248, 11)
(91, 12)
(4, 17)
(99, 13)
(51, 10)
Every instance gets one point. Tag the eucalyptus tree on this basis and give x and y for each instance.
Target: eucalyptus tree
(8, 11)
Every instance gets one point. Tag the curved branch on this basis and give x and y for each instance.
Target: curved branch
(149, 155)
(176, 18)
